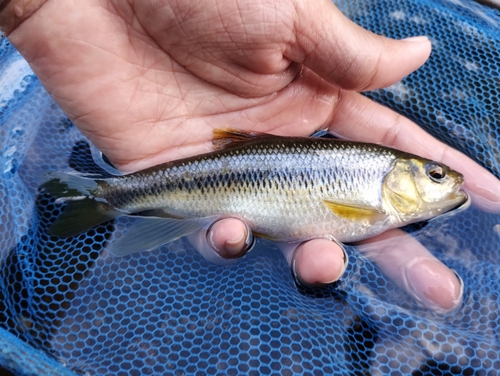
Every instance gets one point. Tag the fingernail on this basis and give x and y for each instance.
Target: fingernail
(234, 245)
(210, 241)
(419, 39)
(233, 248)
(293, 265)
(314, 263)
(434, 285)
(489, 193)
(461, 287)
(345, 258)
(346, 261)
(294, 269)
(485, 199)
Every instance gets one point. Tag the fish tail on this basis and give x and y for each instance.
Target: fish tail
(82, 210)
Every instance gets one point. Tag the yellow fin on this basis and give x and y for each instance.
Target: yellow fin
(354, 212)
(229, 137)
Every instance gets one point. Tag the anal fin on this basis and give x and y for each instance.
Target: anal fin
(148, 233)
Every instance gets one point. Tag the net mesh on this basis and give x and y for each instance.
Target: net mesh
(68, 307)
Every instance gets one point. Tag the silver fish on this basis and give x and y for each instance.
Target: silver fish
(285, 188)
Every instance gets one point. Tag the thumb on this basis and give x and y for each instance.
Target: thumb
(347, 55)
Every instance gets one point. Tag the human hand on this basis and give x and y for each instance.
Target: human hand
(148, 81)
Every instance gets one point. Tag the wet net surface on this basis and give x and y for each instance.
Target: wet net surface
(68, 307)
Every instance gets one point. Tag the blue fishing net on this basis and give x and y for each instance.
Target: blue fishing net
(67, 307)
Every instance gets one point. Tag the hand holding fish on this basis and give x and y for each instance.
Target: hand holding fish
(149, 81)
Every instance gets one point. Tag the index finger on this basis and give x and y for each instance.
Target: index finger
(360, 118)
(405, 261)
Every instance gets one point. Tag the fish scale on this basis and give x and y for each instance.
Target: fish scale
(285, 189)
(277, 187)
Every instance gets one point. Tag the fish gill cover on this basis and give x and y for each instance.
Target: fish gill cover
(68, 307)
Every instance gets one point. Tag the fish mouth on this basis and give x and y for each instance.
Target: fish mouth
(463, 201)
(459, 202)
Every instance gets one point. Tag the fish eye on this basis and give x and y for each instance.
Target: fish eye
(436, 172)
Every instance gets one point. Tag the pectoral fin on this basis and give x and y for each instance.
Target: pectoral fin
(354, 212)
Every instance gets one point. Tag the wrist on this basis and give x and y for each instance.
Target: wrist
(15, 12)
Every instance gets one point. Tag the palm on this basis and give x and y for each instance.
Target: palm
(147, 87)
(143, 99)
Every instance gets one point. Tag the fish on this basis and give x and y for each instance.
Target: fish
(286, 189)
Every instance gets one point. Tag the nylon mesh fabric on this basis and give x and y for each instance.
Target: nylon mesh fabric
(67, 307)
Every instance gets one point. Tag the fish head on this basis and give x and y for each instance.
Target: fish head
(417, 189)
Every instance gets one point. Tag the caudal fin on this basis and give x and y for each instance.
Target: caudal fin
(82, 210)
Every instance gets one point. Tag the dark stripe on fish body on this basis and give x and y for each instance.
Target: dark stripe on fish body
(254, 164)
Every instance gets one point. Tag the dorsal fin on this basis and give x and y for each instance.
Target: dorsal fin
(229, 137)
